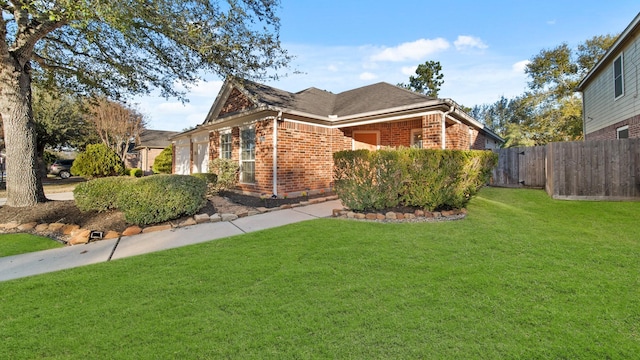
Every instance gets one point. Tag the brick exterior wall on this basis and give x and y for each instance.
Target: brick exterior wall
(610, 133)
(236, 102)
(305, 151)
(432, 131)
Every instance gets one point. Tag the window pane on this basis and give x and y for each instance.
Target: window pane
(618, 77)
(225, 146)
(623, 134)
(249, 172)
(248, 144)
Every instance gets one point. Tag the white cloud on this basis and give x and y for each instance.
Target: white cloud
(368, 76)
(332, 68)
(520, 66)
(206, 88)
(416, 50)
(409, 70)
(551, 22)
(465, 42)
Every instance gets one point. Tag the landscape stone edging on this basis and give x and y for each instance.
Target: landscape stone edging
(391, 216)
(72, 234)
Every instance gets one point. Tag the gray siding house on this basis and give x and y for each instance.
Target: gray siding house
(611, 107)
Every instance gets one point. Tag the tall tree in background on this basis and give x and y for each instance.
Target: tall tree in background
(119, 48)
(116, 124)
(60, 121)
(551, 110)
(427, 80)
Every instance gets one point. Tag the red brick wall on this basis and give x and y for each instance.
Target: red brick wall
(305, 152)
(609, 132)
(392, 134)
(236, 101)
(478, 140)
(457, 137)
(432, 131)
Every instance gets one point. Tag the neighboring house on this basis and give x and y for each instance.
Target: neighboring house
(284, 142)
(149, 144)
(611, 108)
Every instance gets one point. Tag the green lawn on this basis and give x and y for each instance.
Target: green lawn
(13, 244)
(522, 277)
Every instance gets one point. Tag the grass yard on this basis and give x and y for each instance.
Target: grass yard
(523, 276)
(14, 244)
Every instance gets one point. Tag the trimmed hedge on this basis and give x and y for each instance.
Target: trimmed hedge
(135, 172)
(146, 200)
(159, 198)
(429, 179)
(162, 164)
(100, 194)
(98, 160)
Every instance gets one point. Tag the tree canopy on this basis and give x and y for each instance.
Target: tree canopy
(550, 110)
(427, 80)
(116, 49)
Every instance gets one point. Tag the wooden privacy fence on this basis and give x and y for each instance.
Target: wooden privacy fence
(589, 170)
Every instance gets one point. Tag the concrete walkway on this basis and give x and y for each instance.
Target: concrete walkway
(18, 266)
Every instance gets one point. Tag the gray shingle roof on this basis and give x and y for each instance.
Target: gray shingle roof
(155, 138)
(314, 101)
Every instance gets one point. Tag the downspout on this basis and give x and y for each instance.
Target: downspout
(444, 122)
(275, 153)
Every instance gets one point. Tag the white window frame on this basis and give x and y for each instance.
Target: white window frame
(618, 77)
(621, 129)
(413, 143)
(226, 133)
(242, 161)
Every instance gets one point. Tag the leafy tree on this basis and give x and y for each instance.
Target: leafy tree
(551, 110)
(60, 121)
(98, 161)
(558, 71)
(116, 124)
(428, 79)
(163, 163)
(118, 48)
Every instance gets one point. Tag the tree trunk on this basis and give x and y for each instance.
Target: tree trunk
(24, 186)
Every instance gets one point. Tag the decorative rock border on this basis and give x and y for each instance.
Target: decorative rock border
(392, 216)
(72, 234)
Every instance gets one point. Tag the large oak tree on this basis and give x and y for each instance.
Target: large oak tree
(119, 48)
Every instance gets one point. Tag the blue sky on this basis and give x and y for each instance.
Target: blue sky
(481, 45)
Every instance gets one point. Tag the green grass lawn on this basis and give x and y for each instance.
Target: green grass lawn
(523, 276)
(14, 244)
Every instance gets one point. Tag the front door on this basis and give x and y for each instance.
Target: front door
(365, 140)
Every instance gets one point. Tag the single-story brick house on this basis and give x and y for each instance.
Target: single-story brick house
(149, 144)
(284, 142)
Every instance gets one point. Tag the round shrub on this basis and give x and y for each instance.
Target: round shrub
(97, 161)
(159, 198)
(100, 194)
(135, 172)
(164, 161)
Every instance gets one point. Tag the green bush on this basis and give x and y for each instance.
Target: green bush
(98, 160)
(159, 198)
(100, 194)
(226, 171)
(429, 179)
(135, 172)
(163, 163)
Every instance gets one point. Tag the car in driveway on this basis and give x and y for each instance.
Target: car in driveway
(61, 168)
